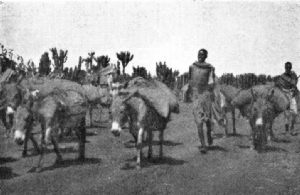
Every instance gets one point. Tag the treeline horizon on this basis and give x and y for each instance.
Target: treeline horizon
(94, 64)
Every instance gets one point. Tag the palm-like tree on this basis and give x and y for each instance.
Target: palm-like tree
(102, 62)
(60, 59)
(125, 58)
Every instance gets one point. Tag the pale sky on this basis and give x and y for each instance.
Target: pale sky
(240, 37)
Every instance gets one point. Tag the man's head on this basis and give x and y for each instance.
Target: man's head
(288, 67)
(202, 55)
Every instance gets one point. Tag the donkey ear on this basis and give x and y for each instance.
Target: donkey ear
(254, 94)
(124, 93)
(20, 78)
(130, 95)
(271, 93)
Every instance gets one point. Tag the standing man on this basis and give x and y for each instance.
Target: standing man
(201, 75)
(202, 83)
(288, 83)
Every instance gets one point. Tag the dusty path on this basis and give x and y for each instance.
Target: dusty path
(228, 168)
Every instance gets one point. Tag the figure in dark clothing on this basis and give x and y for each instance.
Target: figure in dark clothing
(287, 82)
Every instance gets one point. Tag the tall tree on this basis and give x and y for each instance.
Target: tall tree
(140, 71)
(44, 65)
(102, 62)
(125, 58)
(59, 60)
(166, 74)
(89, 62)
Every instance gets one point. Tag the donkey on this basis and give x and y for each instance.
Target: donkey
(142, 117)
(43, 86)
(60, 109)
(279, 100)
(261, 116)
(225, 94)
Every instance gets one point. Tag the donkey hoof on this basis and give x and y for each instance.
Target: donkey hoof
(203, 150)
(138, 167)
(81, 158)
(24, 154)
(38, 169)
(58, 160)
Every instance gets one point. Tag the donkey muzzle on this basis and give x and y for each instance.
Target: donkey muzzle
(259, 122)
(9, 110)
(19, 137)
(115, 128)
(116, 132)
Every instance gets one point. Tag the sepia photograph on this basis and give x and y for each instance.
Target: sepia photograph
(149, 97)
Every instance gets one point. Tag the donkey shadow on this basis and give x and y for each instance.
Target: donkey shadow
(68, 163)
(4, 160)
(281, 140)
(6, 173)
(166, 160)
(267, 149)
(272, 149)
(216, 148)
(64, 150)
(131, 143)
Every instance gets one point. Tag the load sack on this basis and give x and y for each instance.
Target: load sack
(155, 92)
(7, 75)
(279, 98)
(46, 85)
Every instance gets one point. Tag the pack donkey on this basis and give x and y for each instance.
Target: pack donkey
(42, 87)
(143, 115)
(225, 94)
(59, 109)
(261, 105)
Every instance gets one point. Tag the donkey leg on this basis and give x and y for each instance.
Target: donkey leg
(34, 142)
(91, 115)
(233, 121)
(293, 121)
(252, 138)
(28, 135)
(150, 137)
(82, 140)
(287, 128)
(225, 125)
(272, 136)
(56, 149)
(203, 148)
(24, 153)
(42, 149)
(139, 148)
(161, 141)
(3, 119)
(10, 122)
(208, 132)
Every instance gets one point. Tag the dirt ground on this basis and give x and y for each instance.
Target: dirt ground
(229, 167)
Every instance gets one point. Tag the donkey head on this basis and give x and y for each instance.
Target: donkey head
(23, 122)
(24, 115)
(261, 117)
(119, 111)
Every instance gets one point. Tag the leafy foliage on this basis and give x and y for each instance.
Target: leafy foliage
(166, 74)
(125, 57)
(44, 65)
(140, 71)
